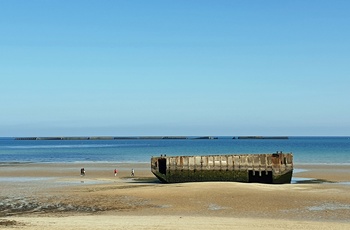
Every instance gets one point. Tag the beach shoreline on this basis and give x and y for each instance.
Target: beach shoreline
(327, 172)
(39, 194)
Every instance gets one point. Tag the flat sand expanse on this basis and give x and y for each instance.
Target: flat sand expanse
(55, 196)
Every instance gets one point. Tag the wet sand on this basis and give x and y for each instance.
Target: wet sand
(55, 196)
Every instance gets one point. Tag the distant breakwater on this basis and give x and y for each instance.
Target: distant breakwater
(146, 138)
(262, 137)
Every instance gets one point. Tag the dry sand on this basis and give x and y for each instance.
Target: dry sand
(55, 196)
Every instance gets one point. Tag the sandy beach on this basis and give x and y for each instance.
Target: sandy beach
(55, 196)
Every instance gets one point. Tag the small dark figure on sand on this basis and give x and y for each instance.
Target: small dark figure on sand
(132, 172)
(115, 172)
(82, 172)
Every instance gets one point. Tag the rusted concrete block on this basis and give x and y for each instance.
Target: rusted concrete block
(275, 168)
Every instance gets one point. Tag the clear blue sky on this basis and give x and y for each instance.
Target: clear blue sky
(186, 67)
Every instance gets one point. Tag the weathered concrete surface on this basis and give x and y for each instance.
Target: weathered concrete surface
(276, 168)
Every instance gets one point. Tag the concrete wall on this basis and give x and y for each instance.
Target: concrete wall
(266, 168)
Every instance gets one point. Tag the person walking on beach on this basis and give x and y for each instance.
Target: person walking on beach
(132, 172)
(115, 172)
(82, 172)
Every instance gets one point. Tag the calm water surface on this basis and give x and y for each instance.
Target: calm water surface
(308, 150)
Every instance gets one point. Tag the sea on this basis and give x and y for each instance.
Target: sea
(306, 150)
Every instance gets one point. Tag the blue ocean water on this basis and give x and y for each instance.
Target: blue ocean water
(306, 150)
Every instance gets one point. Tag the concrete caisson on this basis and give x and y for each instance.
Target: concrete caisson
(275, 168)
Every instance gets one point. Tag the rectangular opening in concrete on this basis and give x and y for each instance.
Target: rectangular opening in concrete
(263, 178)
(162, 165)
